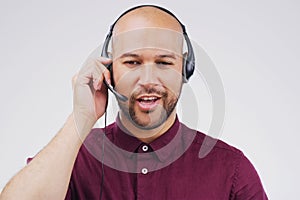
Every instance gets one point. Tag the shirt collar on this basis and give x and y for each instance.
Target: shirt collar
(130, 143)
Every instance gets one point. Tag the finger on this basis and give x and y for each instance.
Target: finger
(107, 77)
(74, 79)
(105, 73)
(98, 83)
(104, 60)
(94, 71)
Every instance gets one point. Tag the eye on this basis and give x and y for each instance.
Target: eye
(164, 63)
(131, 63)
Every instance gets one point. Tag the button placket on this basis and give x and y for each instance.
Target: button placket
(143, 159)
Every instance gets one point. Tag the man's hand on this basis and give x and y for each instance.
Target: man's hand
(89, 103)
(90, 94)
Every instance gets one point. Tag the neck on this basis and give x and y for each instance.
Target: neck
(148, 135)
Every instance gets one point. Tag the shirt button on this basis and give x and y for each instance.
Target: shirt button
(144, 171)
(145, 148)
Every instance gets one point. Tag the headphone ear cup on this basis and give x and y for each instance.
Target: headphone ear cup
(189, 67)
(106, 54)
(110, 69)
(189, 59)
(184, 63)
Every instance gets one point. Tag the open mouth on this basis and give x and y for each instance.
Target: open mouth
(148, 102)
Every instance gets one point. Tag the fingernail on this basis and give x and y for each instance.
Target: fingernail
(95, 84)
(99, 86)
(108, 81)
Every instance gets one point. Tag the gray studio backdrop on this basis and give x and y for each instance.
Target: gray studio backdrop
(254, 45)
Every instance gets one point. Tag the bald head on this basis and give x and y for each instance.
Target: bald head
(146, 17)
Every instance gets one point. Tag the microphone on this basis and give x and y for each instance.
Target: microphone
(118, 95)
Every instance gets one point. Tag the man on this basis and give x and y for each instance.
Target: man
(147, 153)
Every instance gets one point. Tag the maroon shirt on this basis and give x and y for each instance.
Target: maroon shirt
(167, 168)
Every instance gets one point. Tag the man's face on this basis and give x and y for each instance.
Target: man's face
(147, 49)
(152, 79)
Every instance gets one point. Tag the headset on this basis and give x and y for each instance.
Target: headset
(188, 58)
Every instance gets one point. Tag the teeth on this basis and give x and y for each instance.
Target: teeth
(149, 98)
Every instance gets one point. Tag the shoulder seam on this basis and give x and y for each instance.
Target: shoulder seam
(235, 178)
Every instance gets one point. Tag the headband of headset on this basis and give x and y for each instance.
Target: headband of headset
(188, 59)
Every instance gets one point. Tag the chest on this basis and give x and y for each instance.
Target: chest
(183, 179)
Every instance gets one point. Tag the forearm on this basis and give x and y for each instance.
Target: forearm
(47, 175)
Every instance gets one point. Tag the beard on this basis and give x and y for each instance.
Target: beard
(150, 119)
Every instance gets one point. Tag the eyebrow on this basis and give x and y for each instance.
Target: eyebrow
(171, 55)
(129, 55)
(166, 56)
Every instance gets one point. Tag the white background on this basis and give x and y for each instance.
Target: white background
(255, 46)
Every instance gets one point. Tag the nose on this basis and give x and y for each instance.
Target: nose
(148, 75)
